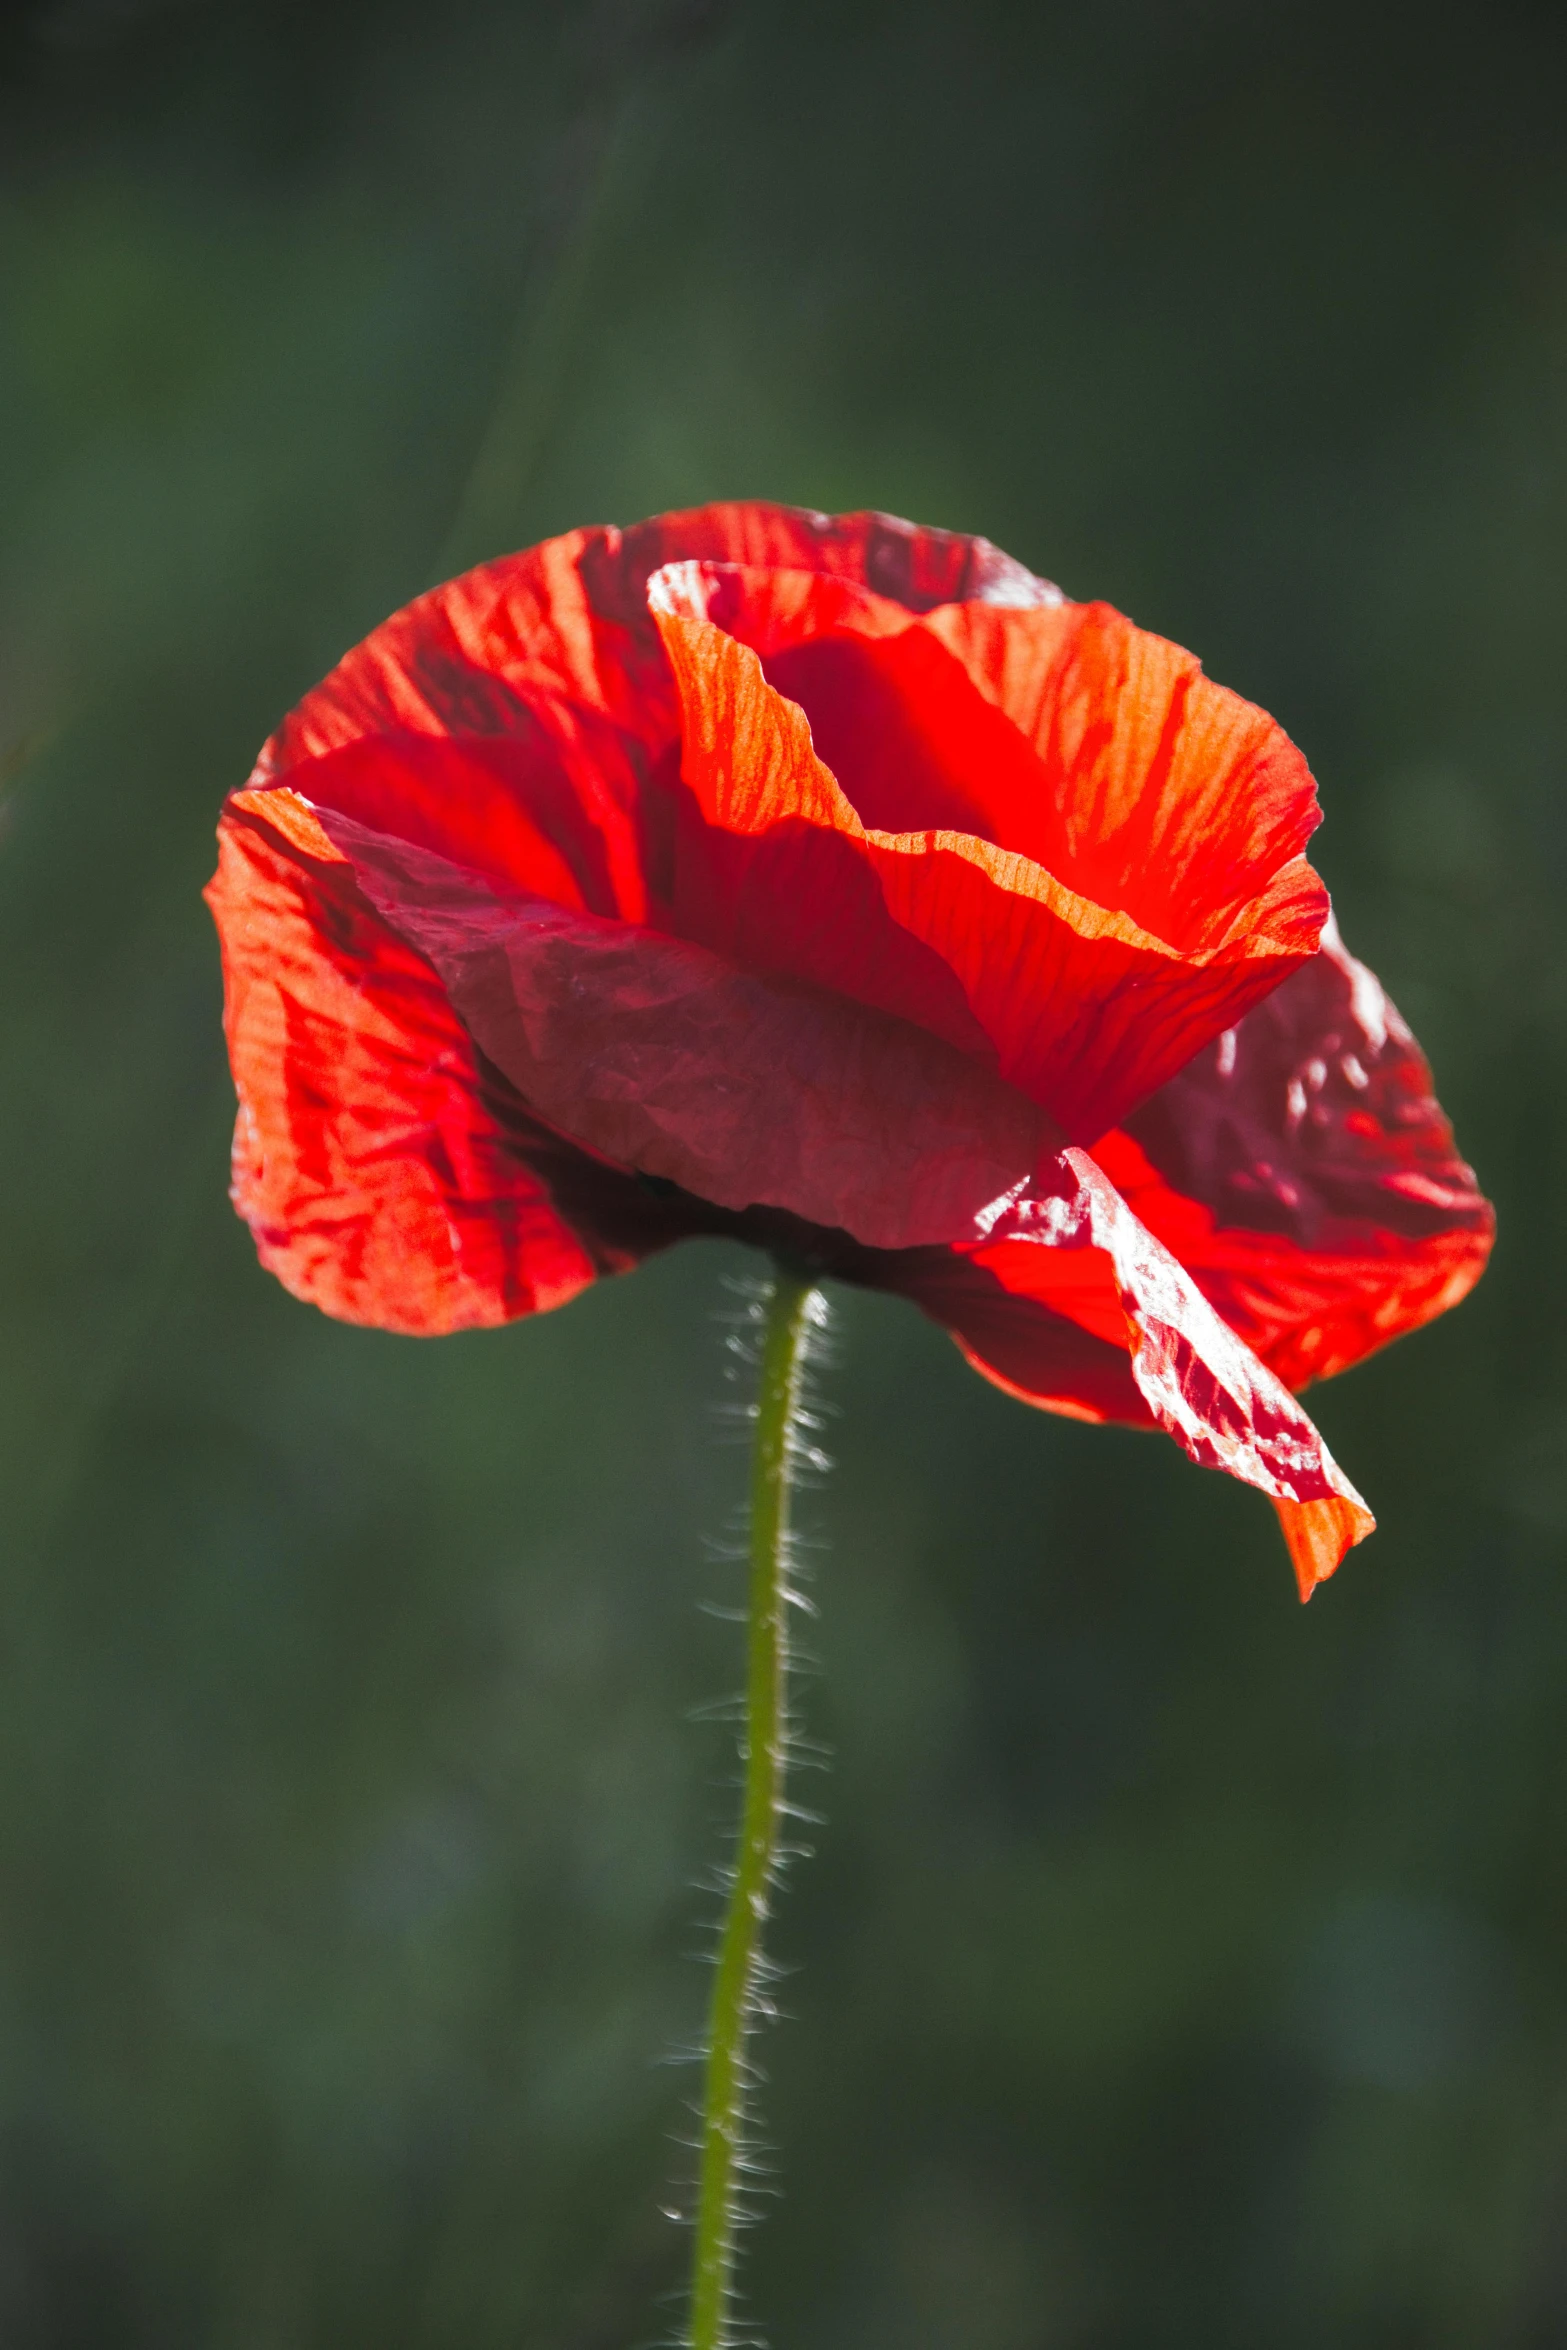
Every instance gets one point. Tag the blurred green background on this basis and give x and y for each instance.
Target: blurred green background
(1177, 1968)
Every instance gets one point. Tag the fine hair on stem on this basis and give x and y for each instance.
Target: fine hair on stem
(779, 1329)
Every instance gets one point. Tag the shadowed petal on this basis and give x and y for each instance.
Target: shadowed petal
(1303, 1172)
(743, 1090)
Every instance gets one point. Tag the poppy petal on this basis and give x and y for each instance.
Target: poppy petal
(490, 722)
(1303, 1172)
(741, 1089)
(1189, 1373)
(1076, 1003)
(387, 1174)
(1060, 731)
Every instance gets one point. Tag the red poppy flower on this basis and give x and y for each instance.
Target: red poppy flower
(840, 885)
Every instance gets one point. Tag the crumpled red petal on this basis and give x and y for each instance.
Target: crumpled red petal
(963, 903)
(387, 1175)
(1007, 1299)
(1304, 1173)
(743, 1090)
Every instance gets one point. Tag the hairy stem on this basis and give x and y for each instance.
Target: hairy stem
(764, 1742)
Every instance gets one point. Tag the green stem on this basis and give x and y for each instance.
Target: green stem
(764, 1747)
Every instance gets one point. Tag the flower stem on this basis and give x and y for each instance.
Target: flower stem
(764, 1742)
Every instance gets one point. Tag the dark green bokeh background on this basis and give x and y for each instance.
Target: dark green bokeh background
(1177, 1968)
